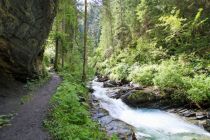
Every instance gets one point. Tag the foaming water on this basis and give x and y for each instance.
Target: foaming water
(152, 124)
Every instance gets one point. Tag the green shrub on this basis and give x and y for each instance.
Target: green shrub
(124, 56)
(148, 52)
(119, 72)
(5, 120)
(143, 74)
(70, 119)
(103, 67)
(170, 75)
(198, 88)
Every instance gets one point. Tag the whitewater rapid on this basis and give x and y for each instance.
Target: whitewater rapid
(152, 124)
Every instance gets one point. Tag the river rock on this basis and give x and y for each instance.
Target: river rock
(111, 125)
(140, 97)
(183, 110)
(188, 113)
(171, 110)
(208, 114)
(200, 115)
(121, 129)
(90, 89)
(24, 27)
(120, 93)
(110, 83)
(106, 120)
(208, 122)
(207, 125)
(102, 78)
(136, 86)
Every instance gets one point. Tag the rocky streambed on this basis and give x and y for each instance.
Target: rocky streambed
(109, 123)
(135, 112)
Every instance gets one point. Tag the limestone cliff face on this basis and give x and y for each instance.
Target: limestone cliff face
(24, 26)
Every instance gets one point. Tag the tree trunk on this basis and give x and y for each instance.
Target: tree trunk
(84, 76)
(62, 56)
(56, 49)
(56, 55)
(64, 31)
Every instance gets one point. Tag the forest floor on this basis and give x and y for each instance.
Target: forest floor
(27, 123)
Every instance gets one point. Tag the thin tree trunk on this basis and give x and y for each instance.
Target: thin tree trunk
(84, 76)
(62, 57)
(64, 31)
(56, 49)
(56, 54)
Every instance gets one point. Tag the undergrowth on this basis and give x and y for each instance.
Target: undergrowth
(187, 75)
(5, 120)
(70, 118)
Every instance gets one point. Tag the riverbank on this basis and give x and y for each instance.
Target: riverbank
(69, 116)
(109, 123)
(137, 96)
(146, 123)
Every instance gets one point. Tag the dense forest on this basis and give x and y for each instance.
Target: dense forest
(151, 53)
(157, 44)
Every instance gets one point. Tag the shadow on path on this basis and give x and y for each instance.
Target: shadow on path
(27, 124)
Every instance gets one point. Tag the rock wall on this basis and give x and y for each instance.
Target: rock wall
(24, 26)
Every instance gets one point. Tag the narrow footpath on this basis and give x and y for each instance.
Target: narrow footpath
(27, 124)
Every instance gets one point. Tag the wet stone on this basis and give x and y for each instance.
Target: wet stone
(111, 125)
(120, 128)
(182, 111)
(105, 120)
(102, 78)
(200, 115)
(201, 123)
(208, 114)
(171, 110)
(208, 122)
(179, 109)
(165, 107)
(107, 84)
(98, 115)
(206, 125)
(120, 93)
(188, 113)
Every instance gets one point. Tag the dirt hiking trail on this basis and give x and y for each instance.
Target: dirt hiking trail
(27, 124)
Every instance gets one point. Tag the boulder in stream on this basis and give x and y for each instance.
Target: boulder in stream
(200, 115)
(140, 97)
(110, 83)
(102, 78)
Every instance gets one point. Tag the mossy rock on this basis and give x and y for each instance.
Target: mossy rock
(142, 96)
(137, 98)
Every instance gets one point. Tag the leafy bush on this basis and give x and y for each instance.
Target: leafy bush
(143, 74)
(198, 88)
(148, 52)
(125, 56)
(170, 74)
(119, 72)
(103, 67)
